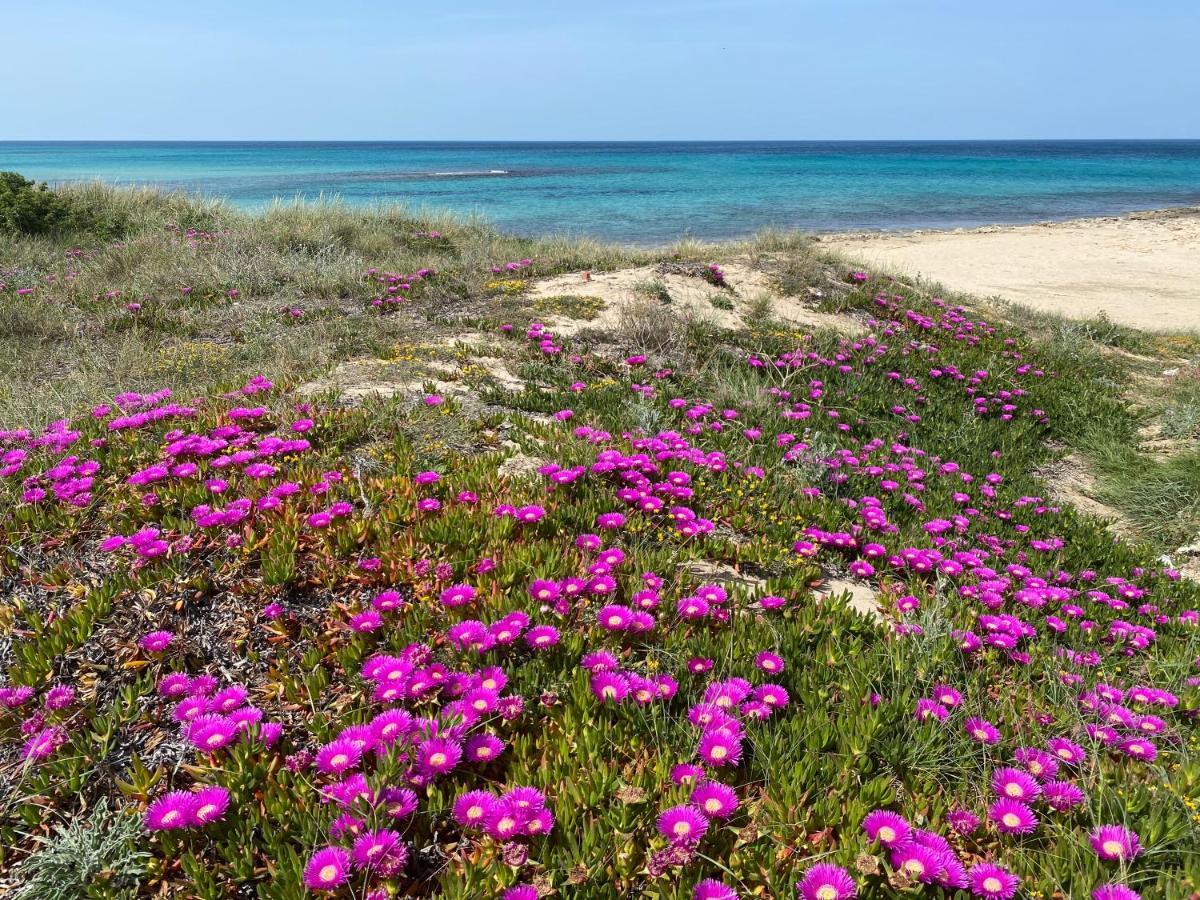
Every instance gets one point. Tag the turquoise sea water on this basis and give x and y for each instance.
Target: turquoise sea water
(656, 192)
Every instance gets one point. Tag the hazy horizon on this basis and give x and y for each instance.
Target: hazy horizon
(665, 140)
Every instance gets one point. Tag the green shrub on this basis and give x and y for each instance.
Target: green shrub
(27, 207)
(33, 208)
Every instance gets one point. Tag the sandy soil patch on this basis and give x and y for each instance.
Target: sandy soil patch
(1069, 482)
(693, 297)
(1141, 269)
(863, 600)
(356, 380)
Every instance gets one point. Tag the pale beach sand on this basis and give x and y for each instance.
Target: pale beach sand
(1141, 269)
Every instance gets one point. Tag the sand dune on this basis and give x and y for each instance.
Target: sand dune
(1141, 269)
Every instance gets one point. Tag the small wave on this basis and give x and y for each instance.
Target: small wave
(468, 173)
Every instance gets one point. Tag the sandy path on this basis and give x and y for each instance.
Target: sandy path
(1142, 269)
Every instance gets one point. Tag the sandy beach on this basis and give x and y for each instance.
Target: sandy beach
(1141, 269)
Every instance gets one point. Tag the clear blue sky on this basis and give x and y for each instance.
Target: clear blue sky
(605, 69)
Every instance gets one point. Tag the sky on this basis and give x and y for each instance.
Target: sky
(599, 70)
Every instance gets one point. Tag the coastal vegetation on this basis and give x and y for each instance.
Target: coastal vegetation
(339, 555)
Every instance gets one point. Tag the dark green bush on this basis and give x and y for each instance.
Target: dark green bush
(27, 207)
(33, 208)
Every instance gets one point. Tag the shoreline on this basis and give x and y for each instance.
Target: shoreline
(1139, 268)
(1155, 214)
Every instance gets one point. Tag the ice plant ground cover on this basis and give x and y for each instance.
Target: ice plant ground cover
(574, 635)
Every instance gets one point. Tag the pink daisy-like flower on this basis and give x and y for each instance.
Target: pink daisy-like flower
(327, 869)
(610, 687)
(382, 850)
(963, 821)
(339, 756)
(916, 861)
(1062, 795)
(711, 889)
(826, 882)
(60, 696)
(715, 800)
(484, 747)
(156, 641)
(210, 804)
(171, 811)
(520, 892)
(505, 820)
(542, 637)
(1041, 765)
(1067, 751)
(683, 825)
(211, 733)
(981, 730)
(1115, 843)
(1015, 784)
(614, 617)
(720, 748)
(992, 881)
(473, 808)
(1012, 817)
(1115, 892)
(457, 595)
(44, 743)
(769, 662)
(437, 756)
(886, 827)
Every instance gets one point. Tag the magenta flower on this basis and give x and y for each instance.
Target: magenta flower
(60, 696)
(437, 756)
(338, 757)
(981, 730)
(715, 800)
(1012, 817)
(988, 880)
(1015, 784)
(473, 809)
(769, 662)
(1115, 892)
(1115, 843)
(210, 733)
(209, 804)
(720, 748)
(683, 825)
(484, 747)
(916, 861)
(711, 889)
(541, 637)
(963, 821)
(614, 617)
(826, 882)
(610, 687)
(156, 641)
(327, 869)
(1062, 795)
(505, 820)
(382, 850)
(171, 811)
(887, 828)
(1067, 751)
(457, 595)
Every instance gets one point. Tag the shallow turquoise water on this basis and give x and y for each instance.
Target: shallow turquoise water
(656, 192)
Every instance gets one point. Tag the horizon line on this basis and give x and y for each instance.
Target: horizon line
(581, 140)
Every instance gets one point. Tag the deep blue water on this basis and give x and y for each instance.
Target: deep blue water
(656, 192)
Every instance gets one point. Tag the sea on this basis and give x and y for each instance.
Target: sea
(655, 192)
